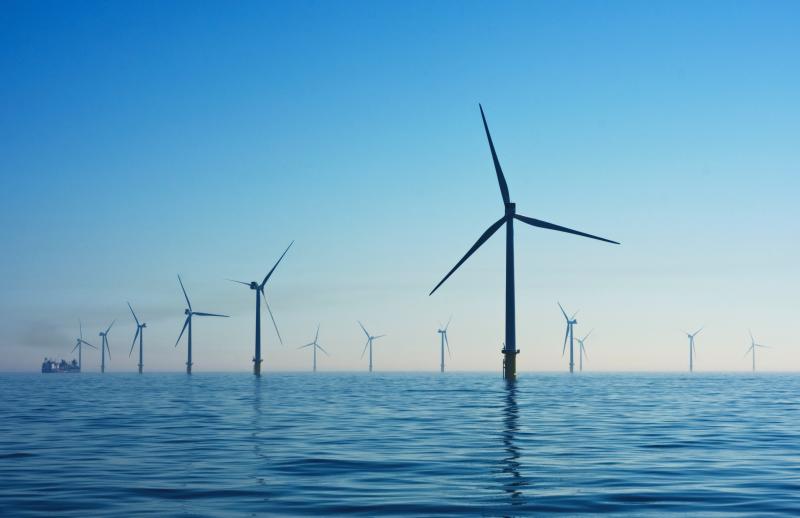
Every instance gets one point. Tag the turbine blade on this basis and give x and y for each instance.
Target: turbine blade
(481, 240)
(562, 311)
(264, 282)
(109, 327)
(240, 282)
(365, 349)
(544, 224)
(501, 179)
(134, 314)
(752, 340)
(448, 323)
(271, 317)
(80, 326)
(87, 343)
(363, 328)
(316, 336)
(208, 314)
(566, 335)
(138, 329)
(185, 323)
(376, 337)
(307, 345)
(184, 293)
(583, 350)
(747, 351)
(76, 346)
(323, 350)
(447, 343)
(587, 335)
(108, 348)
(698, 331)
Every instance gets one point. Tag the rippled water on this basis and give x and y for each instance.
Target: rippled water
(398, 444)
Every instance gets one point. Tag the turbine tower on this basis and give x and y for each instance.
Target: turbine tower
(692, 350)
(79, 345)
(370, 339)
(139, 334)
(510, 348)
(753, 346)
(259, 289)
(443, 332)
(582, 348)
(104, 347)
(189, 312)
(569, 334)
(315, 346)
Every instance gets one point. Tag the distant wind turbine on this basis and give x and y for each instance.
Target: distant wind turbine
(259, 289)
(189, 312)
(314, 345)
(370, 339)
(139, 334)
(569, 335)
(510, 348)
(80, 342)
(582, 348)
(753, 346)
(443, 332)
(692, 350)
(104, 347)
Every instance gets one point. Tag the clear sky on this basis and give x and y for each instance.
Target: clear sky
(143, 139)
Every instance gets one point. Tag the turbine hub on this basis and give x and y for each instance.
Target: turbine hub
(186, 311)
(143, 325)
(511, 209)
(254, 285)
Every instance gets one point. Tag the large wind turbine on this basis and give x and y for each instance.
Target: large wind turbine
(692, 350)
(443, 332)
(259, 289)
(139, 334)
(510, 348)
(189, 312)
(315, 346)
(104, 347)
(569, 334)
(582, 348)
(370, 339)
(79, 345)
(752, 349)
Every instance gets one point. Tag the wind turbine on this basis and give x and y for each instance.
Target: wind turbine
(315, 346)
(370, 339)
(139, 334)
(259, 289)
(752, 348)
(443, 332)
(104, 347)
(569, 334)
(582, 348)
(189, 312)
(510, 348)
(692, 350)
(80, 342)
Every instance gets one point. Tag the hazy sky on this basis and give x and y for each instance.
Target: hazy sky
(139, 140)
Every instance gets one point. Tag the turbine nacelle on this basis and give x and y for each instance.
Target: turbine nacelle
(187, 311)
(253, 285)
(511, 209)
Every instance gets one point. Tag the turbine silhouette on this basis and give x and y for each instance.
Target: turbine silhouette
(582, 348)
(692, 350)
(104, 347)
(140, 335)
(259, 289)
(80, 342)
(189, 312)
(569, 334)
(315, 346)
(443, 332)
(370, 339)
(510, 348)
(753, 346)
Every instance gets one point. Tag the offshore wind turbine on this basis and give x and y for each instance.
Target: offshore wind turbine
(104, 347)
(569, 334)
(692, 350)
(370, 339)
(80, 342)
(139, 334)
(443, 332)
(510, 348)
(315, 346)
(189, 312)
(582, 348)
(752, 349)
(259, 289)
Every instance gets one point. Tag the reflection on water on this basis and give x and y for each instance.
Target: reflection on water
(514, 483)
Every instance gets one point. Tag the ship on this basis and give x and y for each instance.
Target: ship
(50, 365)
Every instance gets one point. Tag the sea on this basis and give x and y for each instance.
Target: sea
(400, 444)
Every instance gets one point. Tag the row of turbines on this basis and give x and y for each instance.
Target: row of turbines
(509, 350)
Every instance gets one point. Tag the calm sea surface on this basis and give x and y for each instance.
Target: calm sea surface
(398, 444)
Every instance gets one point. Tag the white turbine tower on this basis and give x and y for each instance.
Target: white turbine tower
(370, 339)
(569, 335)
(444, 343)
(692, 350)
(582, 348)
(315, 346)
(753, 346)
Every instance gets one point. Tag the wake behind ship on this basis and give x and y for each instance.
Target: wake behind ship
(49, 365)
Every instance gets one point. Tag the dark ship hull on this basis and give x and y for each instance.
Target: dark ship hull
(52, 366)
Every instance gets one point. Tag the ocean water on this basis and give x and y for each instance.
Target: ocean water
(399, 444)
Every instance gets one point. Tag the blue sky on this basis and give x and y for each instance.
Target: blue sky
(142, 140)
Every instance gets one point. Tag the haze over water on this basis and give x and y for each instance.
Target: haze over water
(399, 444)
